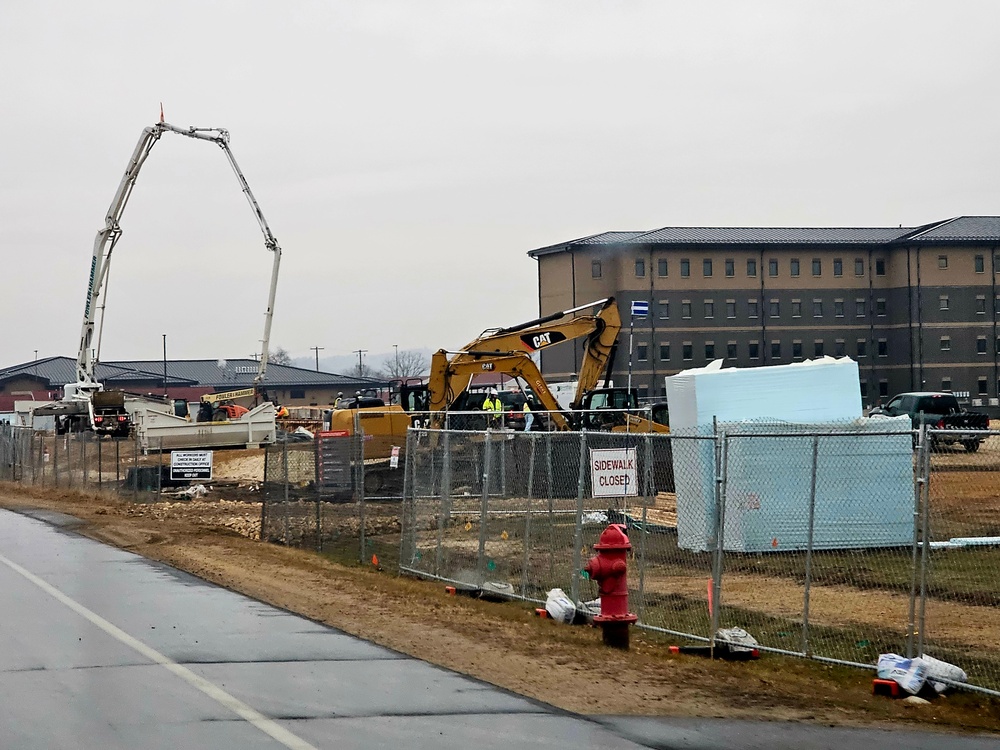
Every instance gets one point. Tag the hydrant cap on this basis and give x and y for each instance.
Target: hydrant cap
(613, 538)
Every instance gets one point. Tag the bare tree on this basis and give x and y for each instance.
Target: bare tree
(407, 364)
(279, 356)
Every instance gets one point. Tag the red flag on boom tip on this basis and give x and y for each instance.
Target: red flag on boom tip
(161, 111)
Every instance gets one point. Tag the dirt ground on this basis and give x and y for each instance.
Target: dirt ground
(504, 644)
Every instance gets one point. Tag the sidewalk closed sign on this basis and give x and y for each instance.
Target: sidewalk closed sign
(612, 472)
(191, 465)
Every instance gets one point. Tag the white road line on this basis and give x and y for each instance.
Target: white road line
(241, 709)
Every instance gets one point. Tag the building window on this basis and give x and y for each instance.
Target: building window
(709, 309)
(664, 309)
(297, 393)
(686, 351)
(864, 389)
(709, 350)
(731, 350)
(817, 267)
(661, 267)
(982, 386)
(751, 308)
(774, 310)
(880, 307)
(686, 309)
(751, 267)
(817, 308)
(730, 308)
(772, 267)
(795, 267)
(945, 384)
(817, 348)
(796, 308)
(839, 348)
(664, 352)
(838, 266)
(641, 352)
(640, 267)
(685, 267)
(706, 267)
(998, 344)
(981, 304)
(883, 388)
(859, 308)
(943, 301)
(981, 345)
(730, 268)
(859, 267)
(980, 264)
(753, 349)
(883, 348)
(775, 350)
(879, 267)
(862, 348)
(796, 350)
(838, 308)
(942, 261)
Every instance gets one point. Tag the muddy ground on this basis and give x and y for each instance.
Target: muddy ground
(504, 644)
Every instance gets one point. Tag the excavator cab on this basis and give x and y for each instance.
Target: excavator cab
(612, 401)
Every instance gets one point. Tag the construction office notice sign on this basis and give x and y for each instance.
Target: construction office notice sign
(191, 465)
(613, 472)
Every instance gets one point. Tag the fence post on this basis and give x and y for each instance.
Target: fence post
(408, 543)
(552, 531)
(527, 517)
(55, 461)
(648, 494)
(809, 547)
(720, 522)
(100, 465)
(444, 516)
(484, 508)
(135, 469)
(925, 548)
(265, 492)
(919, 480)
(284, 464)
(359, 438)
(159, 471)
(318, 484)
(578, 526)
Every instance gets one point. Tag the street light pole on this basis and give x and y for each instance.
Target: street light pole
(164, 364)
(396, 347)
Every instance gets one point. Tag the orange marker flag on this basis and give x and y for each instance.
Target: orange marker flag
(375, 560)
(161, 111)
(711, 599)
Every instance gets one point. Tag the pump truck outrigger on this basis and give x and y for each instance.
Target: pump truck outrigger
(85, 404)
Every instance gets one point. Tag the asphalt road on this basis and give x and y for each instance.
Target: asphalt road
(100, 648)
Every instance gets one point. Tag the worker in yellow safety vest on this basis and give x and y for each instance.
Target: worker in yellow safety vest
(493, 405)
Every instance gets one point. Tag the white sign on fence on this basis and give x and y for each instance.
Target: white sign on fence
(613, 472)
(191, 465)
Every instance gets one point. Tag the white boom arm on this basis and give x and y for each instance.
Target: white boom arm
(108, 236)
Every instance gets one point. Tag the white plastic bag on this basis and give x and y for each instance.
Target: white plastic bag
(937, 669)
(910, 674)
(737, 639)
(560, 607)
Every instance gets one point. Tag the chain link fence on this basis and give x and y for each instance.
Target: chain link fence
(837, 542)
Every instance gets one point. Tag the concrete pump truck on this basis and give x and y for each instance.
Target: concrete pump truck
(85, 404)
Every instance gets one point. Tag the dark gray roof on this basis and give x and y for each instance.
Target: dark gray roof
(971, 229)
(961, 228)
(57, 371)
(771, 235)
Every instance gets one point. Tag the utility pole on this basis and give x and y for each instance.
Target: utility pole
(317, 349)
(361, 367)
(396, 347)
(164, 364)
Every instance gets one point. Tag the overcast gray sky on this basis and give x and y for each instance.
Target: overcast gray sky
(408, 154)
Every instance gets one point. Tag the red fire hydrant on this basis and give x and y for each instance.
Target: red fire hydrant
(608, 568)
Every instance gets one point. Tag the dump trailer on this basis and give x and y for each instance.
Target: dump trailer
(157, 428)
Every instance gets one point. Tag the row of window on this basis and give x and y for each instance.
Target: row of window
(754, 350)
(774, 308)
(794, 266)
